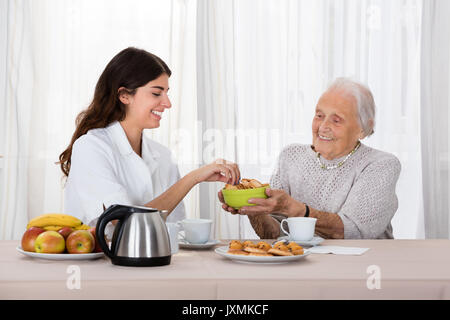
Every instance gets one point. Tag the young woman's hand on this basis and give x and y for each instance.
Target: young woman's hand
(220, 170)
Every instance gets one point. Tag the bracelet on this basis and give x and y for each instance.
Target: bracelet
(307, 211)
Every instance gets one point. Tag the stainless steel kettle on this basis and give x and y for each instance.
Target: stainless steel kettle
(140, 236)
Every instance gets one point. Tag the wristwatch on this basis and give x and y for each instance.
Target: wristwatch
(307, 211)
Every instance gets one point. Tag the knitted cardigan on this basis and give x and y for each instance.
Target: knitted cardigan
(361, 191)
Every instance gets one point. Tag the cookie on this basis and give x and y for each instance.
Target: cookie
(246, 184)
(278, 252)
(278, 243)
(263, 245)
(292, 244)
(297, 252)
(281, 246)
(249, 243)
(255, 183)
(238, 252)
(236, 245)
(265, 254)
(254, 250)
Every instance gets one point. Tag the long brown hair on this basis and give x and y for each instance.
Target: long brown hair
(131, 68)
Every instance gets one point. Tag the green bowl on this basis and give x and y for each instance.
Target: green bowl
(238, 198)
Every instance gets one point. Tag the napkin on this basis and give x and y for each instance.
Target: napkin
(338, 250)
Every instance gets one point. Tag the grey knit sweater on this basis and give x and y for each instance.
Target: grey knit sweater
(361, 191)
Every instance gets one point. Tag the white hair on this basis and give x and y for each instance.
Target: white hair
(364, 101)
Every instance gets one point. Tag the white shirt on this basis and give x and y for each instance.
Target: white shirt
(105, 170)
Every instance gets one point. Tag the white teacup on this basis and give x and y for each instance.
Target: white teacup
(173, 229)
(196, 231)
(300, 228)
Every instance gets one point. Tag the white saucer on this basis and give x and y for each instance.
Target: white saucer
(186, 245)
(312, 243)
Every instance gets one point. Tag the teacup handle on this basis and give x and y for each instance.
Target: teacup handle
(284, 220)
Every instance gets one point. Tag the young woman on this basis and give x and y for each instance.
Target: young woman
(109, 160)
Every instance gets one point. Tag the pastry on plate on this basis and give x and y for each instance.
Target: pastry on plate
(254, 250)
(249, 243)
(263, 245)
(263, 248)
(278, 252)
(265, 254)
(238, 252)
(236, 245)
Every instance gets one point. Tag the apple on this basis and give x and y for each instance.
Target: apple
(29, 237)
(80, 241)
(97, 244)
(65, 231)
(49, 242)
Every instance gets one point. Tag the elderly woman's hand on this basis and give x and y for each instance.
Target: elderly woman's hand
(224, 205)
(277, 201)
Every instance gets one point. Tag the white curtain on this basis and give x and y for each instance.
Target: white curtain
(16, 119)
(284, 53)
(246, 77)
(436, 117)
(55, 53)
(216, 69)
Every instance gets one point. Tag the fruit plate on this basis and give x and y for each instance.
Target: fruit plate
(61, 256)
(259, 259)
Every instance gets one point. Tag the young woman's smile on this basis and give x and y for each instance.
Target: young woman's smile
(146, 106)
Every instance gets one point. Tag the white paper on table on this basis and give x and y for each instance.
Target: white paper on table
(338, 250)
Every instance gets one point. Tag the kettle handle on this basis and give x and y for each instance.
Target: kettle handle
(113, 212)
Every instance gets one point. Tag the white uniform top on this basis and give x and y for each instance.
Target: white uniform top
(105, 170)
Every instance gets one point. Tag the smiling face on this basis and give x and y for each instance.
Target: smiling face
(146, 106)
(335, 127)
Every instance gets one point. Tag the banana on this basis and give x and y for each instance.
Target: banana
(54, 219)
(52, 228)
(83, 227)
(56, 228)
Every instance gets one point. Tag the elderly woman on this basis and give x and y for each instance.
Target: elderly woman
(348, 186)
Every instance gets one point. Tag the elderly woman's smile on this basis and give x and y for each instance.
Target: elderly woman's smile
(336, 129)
(325, 138)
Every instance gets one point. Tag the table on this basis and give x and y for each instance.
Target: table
(408, 269)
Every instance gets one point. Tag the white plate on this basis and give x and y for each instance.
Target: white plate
(311, 243)
(61, 256)
(187, 245)
(258, 259)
